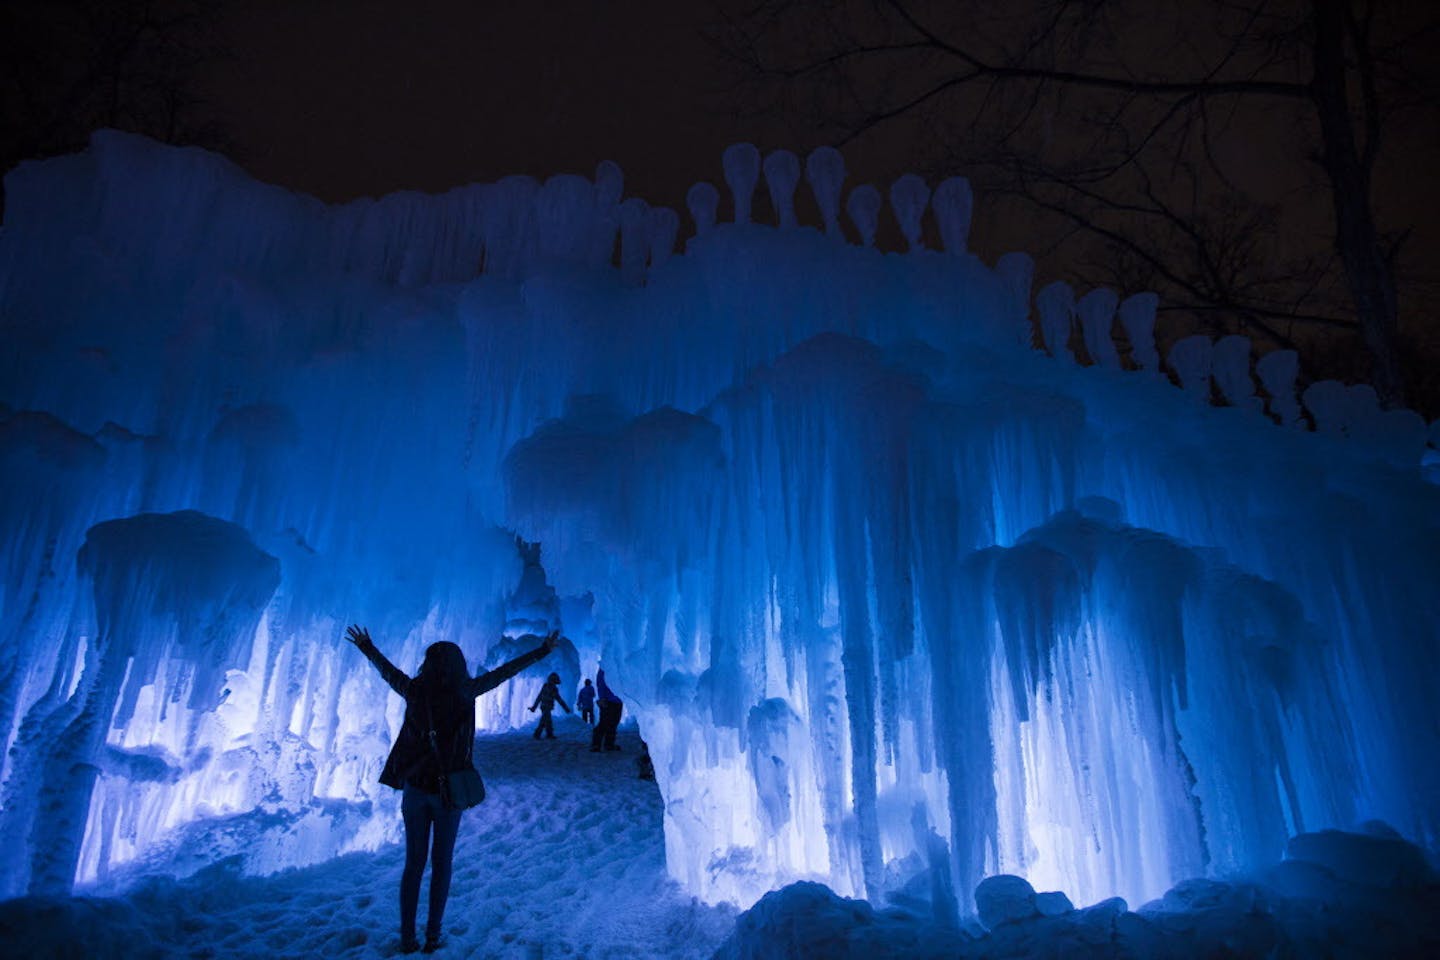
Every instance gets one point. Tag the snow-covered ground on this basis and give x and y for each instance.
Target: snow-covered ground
(566, 858)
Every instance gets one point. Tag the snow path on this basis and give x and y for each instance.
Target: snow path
(564, 859)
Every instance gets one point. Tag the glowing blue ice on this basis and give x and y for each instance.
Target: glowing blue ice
(887, 590)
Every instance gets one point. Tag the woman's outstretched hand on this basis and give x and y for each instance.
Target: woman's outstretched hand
(359, 636)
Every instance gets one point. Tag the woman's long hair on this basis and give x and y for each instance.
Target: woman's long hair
(443, 671)
(438, 702)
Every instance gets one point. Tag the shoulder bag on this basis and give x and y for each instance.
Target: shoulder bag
(459, 789)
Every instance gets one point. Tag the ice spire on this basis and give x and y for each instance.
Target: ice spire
(782, 175)
(1277, 371)
(702, 201)
(953, 203)
(742, 172)
(1232, 372)
(825, 172)
(863, 206)
(909, 196)
(1191, 358)
(1056, 303)
(1137, 316)
(1097, 320)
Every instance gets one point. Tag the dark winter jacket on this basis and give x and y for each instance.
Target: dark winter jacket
(453, 713)
(546, 699)
(585, 699)
(606, 694)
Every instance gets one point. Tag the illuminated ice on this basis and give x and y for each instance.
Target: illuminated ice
(954, 203)
(782, 176)
(1097, 319)
(895, 599)
(1056, 304)
(1137, 316)
(825, 172)
(1277, 371)
(909, 196)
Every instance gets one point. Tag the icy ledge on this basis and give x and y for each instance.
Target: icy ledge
(1336, 894)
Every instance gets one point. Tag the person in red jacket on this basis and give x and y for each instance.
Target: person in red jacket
(439, 700)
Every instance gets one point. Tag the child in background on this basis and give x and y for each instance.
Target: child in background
(585, 700)
(547, 698)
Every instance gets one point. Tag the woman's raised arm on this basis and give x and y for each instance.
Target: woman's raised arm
(398, 680)
(493, 678)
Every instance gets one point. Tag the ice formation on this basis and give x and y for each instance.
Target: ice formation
(890, 593)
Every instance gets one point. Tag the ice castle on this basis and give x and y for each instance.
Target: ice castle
(892, 591)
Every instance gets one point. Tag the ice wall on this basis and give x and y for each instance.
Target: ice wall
(888, 590)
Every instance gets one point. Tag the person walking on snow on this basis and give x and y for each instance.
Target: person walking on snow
(585, 700)
(546, 700)
(611, 706)
(434, 742)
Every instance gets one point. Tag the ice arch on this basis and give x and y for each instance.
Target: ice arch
(877, 579)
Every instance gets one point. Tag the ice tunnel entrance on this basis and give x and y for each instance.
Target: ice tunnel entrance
(897, 599)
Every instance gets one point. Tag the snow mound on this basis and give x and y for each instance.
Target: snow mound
(1337, 894)
(808, 921)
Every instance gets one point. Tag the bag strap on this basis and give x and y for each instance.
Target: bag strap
(434, 747)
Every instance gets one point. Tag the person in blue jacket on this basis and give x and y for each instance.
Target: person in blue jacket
(435, 739)
(585, 701)
(611, 706)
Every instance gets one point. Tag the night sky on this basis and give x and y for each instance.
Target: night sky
(439, 93)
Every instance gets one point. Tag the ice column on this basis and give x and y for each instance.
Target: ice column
(177, 596)
(1056, 303)
(1097, 319)
(825, 172)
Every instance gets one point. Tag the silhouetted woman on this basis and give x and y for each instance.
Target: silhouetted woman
(440, 697)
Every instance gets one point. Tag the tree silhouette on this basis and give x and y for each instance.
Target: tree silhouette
(1221, 153)
(68, 67)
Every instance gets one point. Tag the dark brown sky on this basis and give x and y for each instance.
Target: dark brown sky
(364, 97)
(347, 98)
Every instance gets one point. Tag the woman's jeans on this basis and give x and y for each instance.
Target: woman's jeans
(423, 812)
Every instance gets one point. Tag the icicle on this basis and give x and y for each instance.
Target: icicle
(1277, 371)
(1137, 316)
(609, 187)
(1097, 320)
(1191, 358)
(1056, 303)
(909, 196)
(825, 172)
(742, 172)
(702, 202)
(1232, 372)
(663, 227)
(782, 175)
(863, 206)
(953, 204)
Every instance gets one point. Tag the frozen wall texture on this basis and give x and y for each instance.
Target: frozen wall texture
(887, 589)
